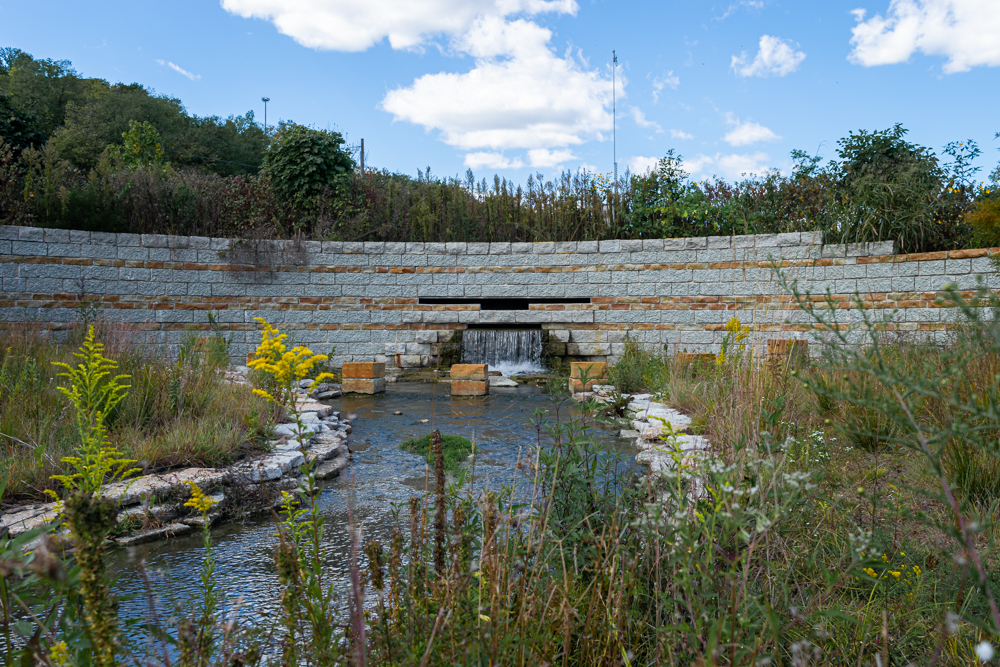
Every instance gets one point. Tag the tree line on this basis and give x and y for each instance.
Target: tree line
(82, 153)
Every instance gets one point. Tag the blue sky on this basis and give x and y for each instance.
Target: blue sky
(517, 87)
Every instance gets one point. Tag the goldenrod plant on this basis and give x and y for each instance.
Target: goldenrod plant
(197, 637)
(93, 392)
(733, 342)
(287, 368)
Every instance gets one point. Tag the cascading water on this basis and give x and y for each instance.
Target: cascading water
(510, 351)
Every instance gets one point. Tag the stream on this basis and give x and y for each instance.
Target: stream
(380, 476)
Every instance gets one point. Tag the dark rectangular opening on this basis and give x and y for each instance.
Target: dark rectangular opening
(497, 303)
(515, 327)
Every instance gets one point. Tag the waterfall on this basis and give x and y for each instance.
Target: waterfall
(509, 351)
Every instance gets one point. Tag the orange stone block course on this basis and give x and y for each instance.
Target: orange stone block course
(468, 372)
(595, 370)
(363, 370)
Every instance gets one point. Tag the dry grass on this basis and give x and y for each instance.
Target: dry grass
(176, 413)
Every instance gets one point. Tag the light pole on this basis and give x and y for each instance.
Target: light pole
(265, 100)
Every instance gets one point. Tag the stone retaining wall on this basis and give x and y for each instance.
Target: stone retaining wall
(365, 298)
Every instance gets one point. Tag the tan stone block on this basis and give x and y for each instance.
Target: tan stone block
(362, 386)
(468, 372)
(469, 388)
(793, 352)
(364, 371)
(577, 386)
(593, 369)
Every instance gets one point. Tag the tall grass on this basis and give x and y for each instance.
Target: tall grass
(176, 412)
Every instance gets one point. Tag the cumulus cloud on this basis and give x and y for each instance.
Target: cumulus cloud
(680, 134)
(491, 160)
(732, 166)
(519, 95)
(640, 119)
(775, 57)
(640, 164)
(349, 25)
(661, 82)
(179, 70)
(966, 32)
(747, 132)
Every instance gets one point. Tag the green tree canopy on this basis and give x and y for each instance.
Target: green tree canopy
(303, 162)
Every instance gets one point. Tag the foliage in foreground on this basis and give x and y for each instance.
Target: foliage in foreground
(774, 548)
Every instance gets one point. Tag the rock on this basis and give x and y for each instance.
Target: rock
(132, 491)
(292, 430)
(327, 395)
(289, 446)
(628, 433)
(268, 468)
(153, 534)
(398, 412)
(305, 384)
(309, 417)
(138, 513)
(501, 381)
(331, 469)
(326, 450)
(307, 405)
(27, 518)
(423, 421)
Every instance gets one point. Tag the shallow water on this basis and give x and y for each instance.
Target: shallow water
(380, 476)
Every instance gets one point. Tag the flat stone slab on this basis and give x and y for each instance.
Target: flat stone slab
(500, 381)
(132, 491)
(153, 534)
(331, 469)
(628, 433)
(28, 518)
(292, 430)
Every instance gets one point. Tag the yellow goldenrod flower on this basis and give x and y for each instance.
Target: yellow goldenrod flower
(59, 654)
(198, 499)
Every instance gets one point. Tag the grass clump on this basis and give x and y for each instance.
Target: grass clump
(176, 413)
(638, 369)
(456, 450)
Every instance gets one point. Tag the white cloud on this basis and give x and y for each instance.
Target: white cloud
(967, 32)
(491, 160)
(519, 94)
(640, 164)
(733, 166)
(179, 70)
(680, 134)
(642, 121)
(659, 83)
(747, 132)
(350, 25)
(751, 4)
(543, 157)
(775, 57)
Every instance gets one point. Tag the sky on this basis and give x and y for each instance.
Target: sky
(520, 87)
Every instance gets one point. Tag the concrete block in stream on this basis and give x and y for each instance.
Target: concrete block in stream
(470, 387)
(363, 386)
(596, 373)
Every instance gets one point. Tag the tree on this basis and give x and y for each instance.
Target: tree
(19, 128)
(141, 146)
(887, 189)
(303, 163)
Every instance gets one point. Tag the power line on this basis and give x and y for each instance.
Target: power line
(104, 136)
